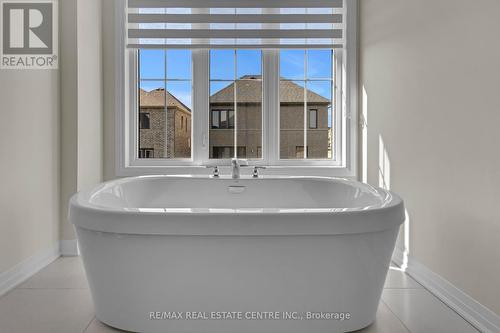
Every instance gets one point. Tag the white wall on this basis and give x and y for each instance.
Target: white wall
(29, 164)
(430, 71)
(69, 110)
(81, 102)
(108, 51)
(50, 137)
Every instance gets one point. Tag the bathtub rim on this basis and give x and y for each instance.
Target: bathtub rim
(320, 221)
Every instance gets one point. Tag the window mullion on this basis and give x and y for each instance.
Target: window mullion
(235, 104)
(305, 103)
(270, 118)
(200, 115)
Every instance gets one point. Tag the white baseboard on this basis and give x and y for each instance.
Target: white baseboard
(471, 310)
(69, 248)
(25, 269)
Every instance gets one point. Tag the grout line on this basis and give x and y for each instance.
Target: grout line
(88, 325)
(395, 315)
(403, 288)
(52, 288)
(433, 295)
(438, 299)
(450, 308)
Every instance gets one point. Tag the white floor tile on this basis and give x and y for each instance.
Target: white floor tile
(57, 300)
(422, 312)
(386, 322)
(65, 272)
(398, 279)
(46, 311)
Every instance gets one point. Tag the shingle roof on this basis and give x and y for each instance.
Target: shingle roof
(249, 90)
(156, 99)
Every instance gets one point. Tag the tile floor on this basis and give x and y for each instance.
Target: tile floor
(57, 300)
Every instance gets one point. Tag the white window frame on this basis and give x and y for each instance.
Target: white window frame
(346, 114)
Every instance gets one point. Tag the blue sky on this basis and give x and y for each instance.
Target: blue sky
(177, 68)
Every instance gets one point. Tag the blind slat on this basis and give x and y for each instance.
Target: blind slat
(226, 33)
(269, 24)
(235, 4)
(236, 46)
(234, 18)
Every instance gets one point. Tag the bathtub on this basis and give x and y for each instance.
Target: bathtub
(215, 255)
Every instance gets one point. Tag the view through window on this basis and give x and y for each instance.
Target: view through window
(235, 104)
(306, 117)
(165, 104)
(235, 82)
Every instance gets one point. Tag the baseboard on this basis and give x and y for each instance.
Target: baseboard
(471, 310)
(69, 248)
(25, 269)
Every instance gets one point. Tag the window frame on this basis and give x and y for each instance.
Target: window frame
(127, 127)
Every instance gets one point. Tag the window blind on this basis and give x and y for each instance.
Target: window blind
(213, 24)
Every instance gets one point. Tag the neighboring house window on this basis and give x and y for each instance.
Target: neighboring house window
(146, 153)
(222, 119)
(215, 119)
(144, 120)
(313, 118)
(226, 152)
(222, 152)
(299, 151)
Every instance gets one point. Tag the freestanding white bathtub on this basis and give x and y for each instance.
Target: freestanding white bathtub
(199, 254)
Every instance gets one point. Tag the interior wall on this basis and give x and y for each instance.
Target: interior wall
(29, 168)
(81, 102)
(90, 103)
(430, 80)
(69, 108)
(108, 52)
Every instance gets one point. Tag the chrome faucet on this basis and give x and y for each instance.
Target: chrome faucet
(236, 165)
(216, 170)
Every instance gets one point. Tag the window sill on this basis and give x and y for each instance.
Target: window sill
(306, 170)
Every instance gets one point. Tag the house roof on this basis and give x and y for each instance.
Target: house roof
(156, 99)
(249, 90)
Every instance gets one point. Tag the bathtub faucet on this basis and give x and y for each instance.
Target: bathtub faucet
(236, 165)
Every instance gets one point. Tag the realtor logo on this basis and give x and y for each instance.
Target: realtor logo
(29, 34)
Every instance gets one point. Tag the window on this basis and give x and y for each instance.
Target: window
(165, 99)
(146, 153)
(307, 81)
(289, 108)
(313, 118)
(227, 152)
(235, 102)
(299, 151)
(144, 120)
(222, 119)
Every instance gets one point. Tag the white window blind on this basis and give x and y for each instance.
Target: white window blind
(236, 24)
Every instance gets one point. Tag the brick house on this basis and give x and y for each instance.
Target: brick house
(249, 121)
(152, 133)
